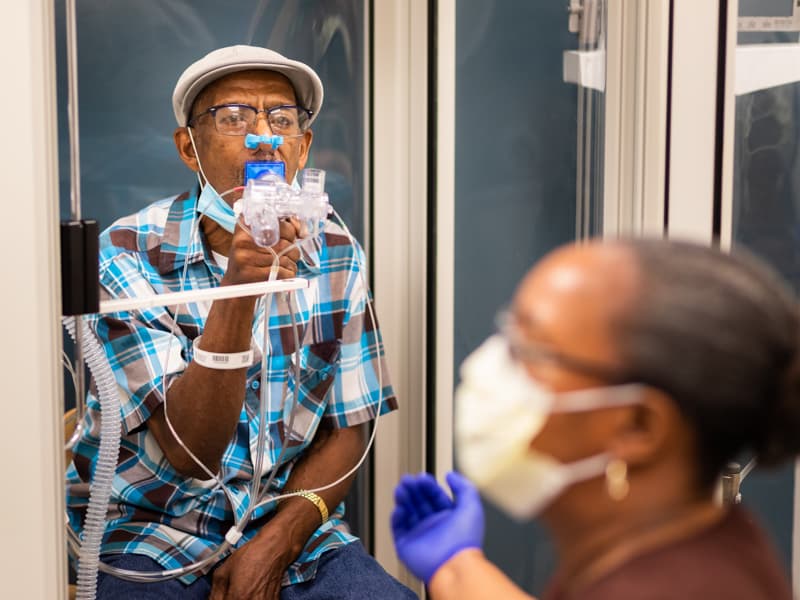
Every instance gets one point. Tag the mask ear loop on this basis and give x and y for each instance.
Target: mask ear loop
(197, 157)
(609, 396)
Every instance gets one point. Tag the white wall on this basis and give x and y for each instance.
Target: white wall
(32, 559)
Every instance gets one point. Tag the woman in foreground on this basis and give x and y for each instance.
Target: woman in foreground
(624, 378)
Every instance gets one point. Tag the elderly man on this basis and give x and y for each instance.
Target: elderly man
(191, 429)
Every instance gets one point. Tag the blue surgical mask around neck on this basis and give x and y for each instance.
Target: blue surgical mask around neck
(212, 205)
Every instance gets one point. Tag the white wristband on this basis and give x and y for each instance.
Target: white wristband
(217, 360)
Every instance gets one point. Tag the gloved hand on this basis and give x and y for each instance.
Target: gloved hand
(429, 528)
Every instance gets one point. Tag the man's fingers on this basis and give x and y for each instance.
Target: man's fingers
(287, 268)
(288, 265)
(290, 229)
(244, 246)
(264, 259)
(289, 249)
(219, 586)
(248, 262)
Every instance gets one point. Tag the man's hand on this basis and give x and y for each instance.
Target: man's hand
(255, 570)
(250, 263)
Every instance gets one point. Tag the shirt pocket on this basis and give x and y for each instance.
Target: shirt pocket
(319, 364)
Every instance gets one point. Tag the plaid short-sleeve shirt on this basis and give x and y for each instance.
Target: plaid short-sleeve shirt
(343, 381)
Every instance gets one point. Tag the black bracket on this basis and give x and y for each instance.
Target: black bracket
(80, 277)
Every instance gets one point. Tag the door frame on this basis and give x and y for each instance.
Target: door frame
(399, 211)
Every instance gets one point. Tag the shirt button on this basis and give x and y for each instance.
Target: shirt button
(255, 384)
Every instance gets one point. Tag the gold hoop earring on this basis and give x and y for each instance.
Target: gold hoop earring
(617, 484)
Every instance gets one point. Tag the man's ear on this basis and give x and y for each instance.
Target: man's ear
(305, 146)
(185, 149)
(649, 430)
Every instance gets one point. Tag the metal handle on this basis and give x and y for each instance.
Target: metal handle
(731, 480)
(732, 477)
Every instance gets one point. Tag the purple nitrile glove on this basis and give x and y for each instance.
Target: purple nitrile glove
(429, 528)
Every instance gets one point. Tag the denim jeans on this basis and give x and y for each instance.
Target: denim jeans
(342, 574)
(349, 573)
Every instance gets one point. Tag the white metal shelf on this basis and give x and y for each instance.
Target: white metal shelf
(217, 293)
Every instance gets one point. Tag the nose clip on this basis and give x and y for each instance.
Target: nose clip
(252, 140)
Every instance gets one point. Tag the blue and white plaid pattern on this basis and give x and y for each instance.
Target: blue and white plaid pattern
(153, 510)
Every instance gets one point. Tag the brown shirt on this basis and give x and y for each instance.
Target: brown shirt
(732, 560)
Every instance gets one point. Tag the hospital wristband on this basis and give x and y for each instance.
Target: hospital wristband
(218, 360)
(316, 500)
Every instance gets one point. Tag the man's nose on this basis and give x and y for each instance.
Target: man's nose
(262, 124)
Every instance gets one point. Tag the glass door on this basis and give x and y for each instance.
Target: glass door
(763, 214)
(525, 142)
(131, 54)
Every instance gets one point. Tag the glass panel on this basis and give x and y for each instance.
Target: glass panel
(130, 54)
(515, 191)
(590, 129)
(766, 220)
(589, 189)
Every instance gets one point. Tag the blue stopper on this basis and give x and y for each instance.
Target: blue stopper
(252, 140)
(256, 169)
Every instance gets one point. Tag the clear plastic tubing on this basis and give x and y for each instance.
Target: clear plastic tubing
(110, 433)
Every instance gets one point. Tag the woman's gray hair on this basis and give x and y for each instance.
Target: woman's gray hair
(720, 334)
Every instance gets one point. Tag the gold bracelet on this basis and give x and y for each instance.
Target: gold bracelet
(316, 500)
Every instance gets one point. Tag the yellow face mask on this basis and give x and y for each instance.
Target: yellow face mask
(499, 410)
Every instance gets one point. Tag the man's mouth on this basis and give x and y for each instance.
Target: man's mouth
(261, 154)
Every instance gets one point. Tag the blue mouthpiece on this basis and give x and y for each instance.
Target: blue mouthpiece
(252, 140)
(258, 169)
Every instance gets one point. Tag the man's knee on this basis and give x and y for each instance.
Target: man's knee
(349, 572)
